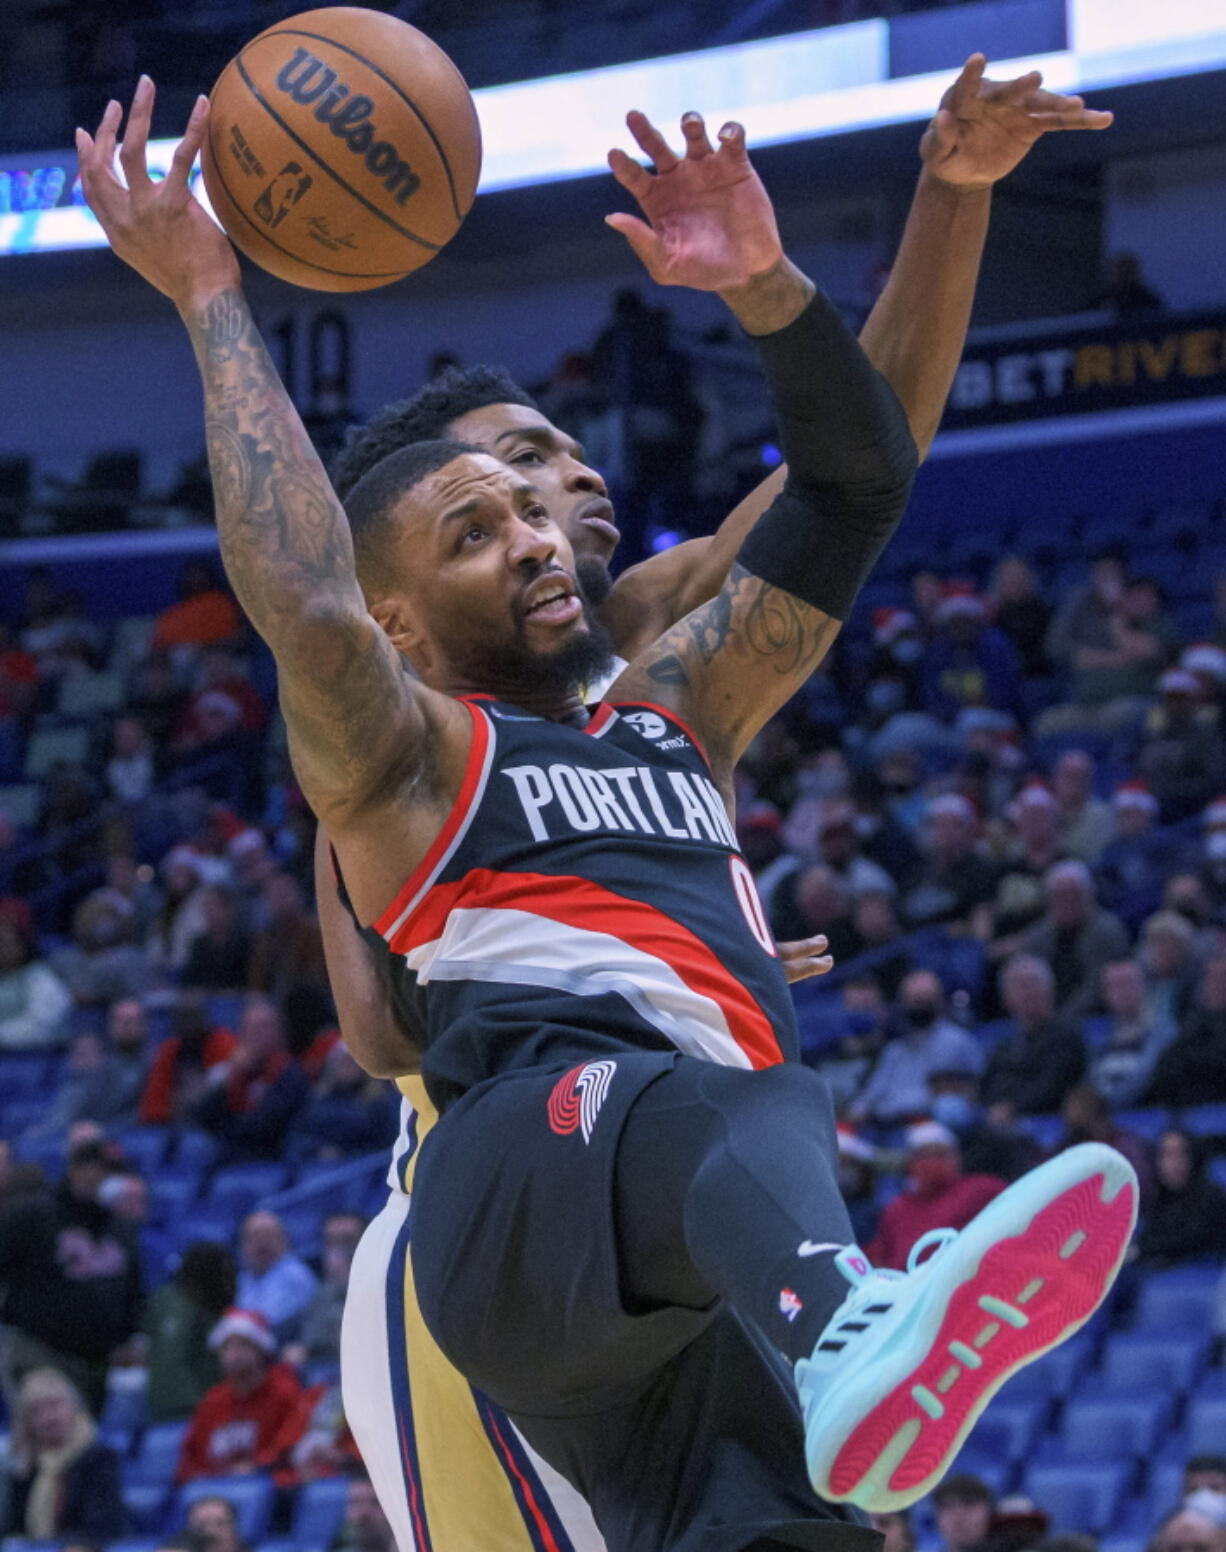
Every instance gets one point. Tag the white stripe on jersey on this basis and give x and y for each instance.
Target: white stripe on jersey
(479, 944)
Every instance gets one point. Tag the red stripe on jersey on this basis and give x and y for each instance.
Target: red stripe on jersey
(459, 811)
(670, 716)
(578, 902)
(601, 718)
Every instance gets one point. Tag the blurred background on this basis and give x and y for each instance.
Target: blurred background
(1002, 798)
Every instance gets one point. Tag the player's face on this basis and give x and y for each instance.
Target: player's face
(494, 597)
(575, 494)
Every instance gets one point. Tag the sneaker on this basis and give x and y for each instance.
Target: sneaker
(910, 1359)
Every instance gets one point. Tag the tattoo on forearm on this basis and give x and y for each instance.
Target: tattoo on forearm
(753, 622)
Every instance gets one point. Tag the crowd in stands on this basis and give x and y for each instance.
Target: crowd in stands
(1002, 803)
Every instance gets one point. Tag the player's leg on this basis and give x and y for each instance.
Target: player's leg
(449, 1469)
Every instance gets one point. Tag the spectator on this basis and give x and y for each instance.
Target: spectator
(898, 1088)
(101, 964)
(1192, 1068)
(989, 1146)
(181, 918)
(365, 1527)
(70, 1276)
(1123, 1069)
(129, 771)
(1041, 1058)
(876, 927)
(1114, 640)
(34, 1002)
(895, 1527)
(1182, 756)
(105, 1081)
(253, 1418)
(286, 948)
(858, 1181)
(1188, 1530)
(62, 1480)
(938, 1195)
(1033, 848)
(954, 879)
(1186, 895)
(178, 1320)
(204, 615)
(1019, 1524)
(1087, 1118)
(1134, 865)
(319, 1335)
(1205, 1473)
(813, 900)
(327, 1446)
(1076, 937)
(1086, 821)
(181, 1067)
(1168, 958)
(864, 1022)
(252, 1101)
(310, 1027)
(963, 1506)
(1187, 1221)
(1020, 611)
(273, 1282)
(349, 1112)
(1126, 294)
(969, 663)
(217, 958)
(212, 1526)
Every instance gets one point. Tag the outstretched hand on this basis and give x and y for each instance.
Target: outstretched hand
(160, 229)
(709, 222)
(805, 959)
(983, 128)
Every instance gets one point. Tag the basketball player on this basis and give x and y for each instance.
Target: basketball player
(628, 1204)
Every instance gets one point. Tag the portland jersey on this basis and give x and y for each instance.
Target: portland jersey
(585, 895)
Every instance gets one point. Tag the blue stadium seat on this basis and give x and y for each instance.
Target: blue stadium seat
(1204, 1120)
(1055, 1373)
(250, 1497)
(157, 1459)
(1165, 1488)
(1135, 1360)
(135, 1544)
(1181, 1299)
(1110, 1427)
(145, 1503)
(240, 1186)
(19, 1114)
(219, 1224)
(1205, 1425)
(196, 1150)
(173, 1193)
(125, 1406)
(1134, 1519)
(304, 1225)
(319, 1511)
(1123, 1543)
(1046, 1130)
(1082, 1497)
(225, 1009)
(1148, 1123)
(23, 1077)
(1009, 1427)
(1217, 1170)
(146, 1146)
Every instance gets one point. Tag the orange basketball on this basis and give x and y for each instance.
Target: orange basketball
(343, 149)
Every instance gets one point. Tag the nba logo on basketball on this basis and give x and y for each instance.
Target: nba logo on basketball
(576, 1098)
(790, 1304)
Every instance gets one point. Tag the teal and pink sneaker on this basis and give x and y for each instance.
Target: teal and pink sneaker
(910, 1359)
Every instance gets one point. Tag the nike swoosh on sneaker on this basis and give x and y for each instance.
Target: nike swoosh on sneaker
(808, 1248)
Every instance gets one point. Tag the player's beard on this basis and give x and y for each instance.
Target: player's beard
(583, 658)
(594, 577)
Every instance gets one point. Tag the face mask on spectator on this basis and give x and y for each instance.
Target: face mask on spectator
(954, 1110)
(920, 1015)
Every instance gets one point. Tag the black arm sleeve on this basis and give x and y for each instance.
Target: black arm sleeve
(851, 462)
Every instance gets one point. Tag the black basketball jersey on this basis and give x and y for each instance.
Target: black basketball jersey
(585, 895)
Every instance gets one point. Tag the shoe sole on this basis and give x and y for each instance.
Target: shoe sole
(1019, 1280)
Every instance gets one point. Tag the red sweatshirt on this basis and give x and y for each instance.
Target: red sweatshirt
(909, 1216)
(228, 1429)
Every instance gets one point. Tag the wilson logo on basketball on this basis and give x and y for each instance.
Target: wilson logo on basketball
(347, 114)
(577, 1097)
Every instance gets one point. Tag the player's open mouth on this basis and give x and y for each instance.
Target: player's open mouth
(554, 603)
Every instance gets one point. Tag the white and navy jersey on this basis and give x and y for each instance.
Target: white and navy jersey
(585, 895)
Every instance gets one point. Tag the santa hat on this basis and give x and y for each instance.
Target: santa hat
(1203, 657)
(1136, 795)
(959, 603)
(245, 842)
(245, 1323)
(1035, 794)
(929, 1134)
(1178, 681)
(889, 624)
(852, 1146)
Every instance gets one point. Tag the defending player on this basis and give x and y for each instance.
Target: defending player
(606, 1212)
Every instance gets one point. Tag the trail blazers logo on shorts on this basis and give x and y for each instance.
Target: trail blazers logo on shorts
(577, 1097)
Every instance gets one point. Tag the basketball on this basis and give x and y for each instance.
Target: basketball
(343, 149)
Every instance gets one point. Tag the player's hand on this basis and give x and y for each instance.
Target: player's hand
(160, 229)
(983, 128)
(709, 222)
(805, 959)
